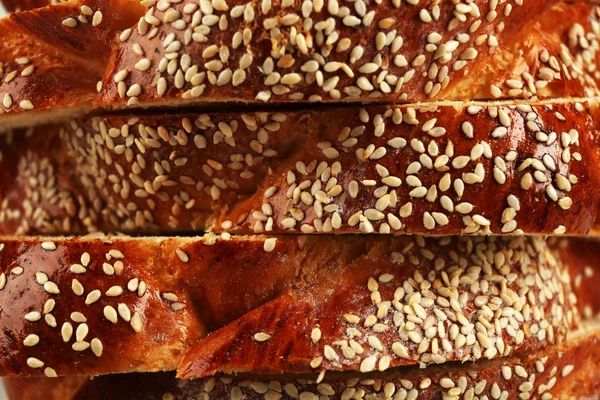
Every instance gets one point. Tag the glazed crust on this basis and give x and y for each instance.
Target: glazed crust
(193, 286)
(568, 371)
(558, 57)
(384, 325)
(51, 60)
(552, 57)
(312, 51)
(23, 5)
(382, 169)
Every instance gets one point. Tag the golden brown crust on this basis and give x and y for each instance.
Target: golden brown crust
(556, 57)
(52, 58)
(22, 5)
(374, 316)
(568, 371)
(426, 170)
(61, 388)
(315, 51)
(193, 286)
(583, 260)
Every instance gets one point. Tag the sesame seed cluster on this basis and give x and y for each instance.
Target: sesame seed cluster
(385, 188)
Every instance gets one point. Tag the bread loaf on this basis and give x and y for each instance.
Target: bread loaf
(401, 169)
(511, 50)
(568, 371)
(52, 58)
(98, 305)
(386, 323)
(311, 51)
(283, 51)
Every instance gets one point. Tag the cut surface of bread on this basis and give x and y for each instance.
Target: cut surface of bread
(566, 371)
(52, 58)
(98, 305)
(423, 169)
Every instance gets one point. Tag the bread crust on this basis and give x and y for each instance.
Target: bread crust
(383, 169)
(289, 53)
(23, 5)
(52, 58)
(194, 286)
(568, 371)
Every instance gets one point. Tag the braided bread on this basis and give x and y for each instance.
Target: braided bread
(567, 371)
(426, 170)
(98, 305)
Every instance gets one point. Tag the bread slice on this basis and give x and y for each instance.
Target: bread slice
(100, 305)
(325, 51)
(425, 168)
(566, 371)
(511, 50)
(52, 58)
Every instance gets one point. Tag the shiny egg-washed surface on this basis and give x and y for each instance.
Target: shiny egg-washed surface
(190, 53)
(429, 169)
(52, 58)
(97, 305)
(566, 372)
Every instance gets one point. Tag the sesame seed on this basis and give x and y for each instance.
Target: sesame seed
(315, 335)
(97, 347)
(81, 332)
(69, 22)
(97, 19)
(77, 287)
(92, 297)
(80, 346)
(269, 244)
(34, 362)
(49, 246)
(78, 317)
(261, 337)
(51, 287)
(368, 364)
(136, 322)
(182, 255)
(110, 314)
(31, 340)
(77, 269)
(567, 370)
(66, 331)
(124, 312)
(50, 372)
